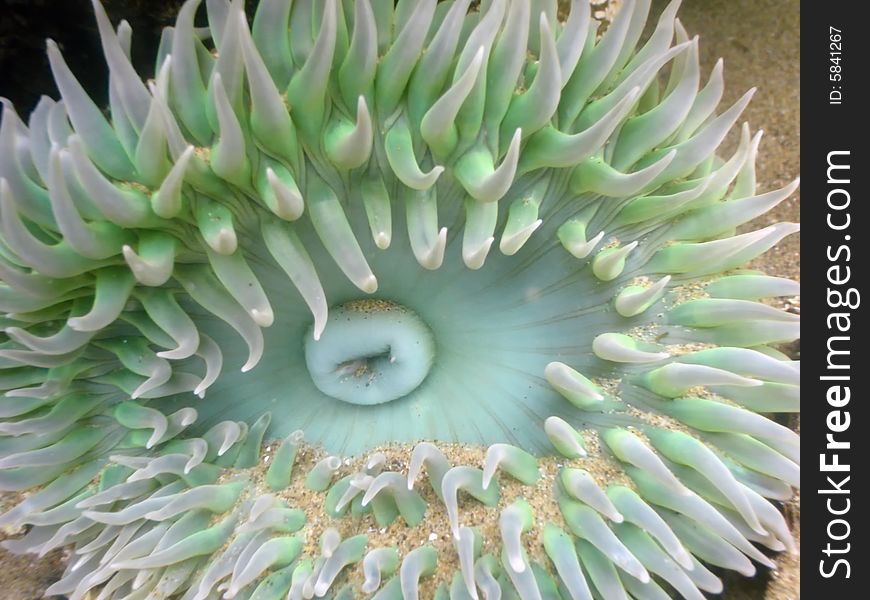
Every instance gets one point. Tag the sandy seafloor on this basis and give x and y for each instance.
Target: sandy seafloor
(760, 42)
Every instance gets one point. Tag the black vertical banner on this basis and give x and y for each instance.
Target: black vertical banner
(834, 422)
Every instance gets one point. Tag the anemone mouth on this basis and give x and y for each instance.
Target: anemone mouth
(478, 375)
(371, 352)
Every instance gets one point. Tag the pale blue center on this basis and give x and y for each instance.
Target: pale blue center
(485, 337)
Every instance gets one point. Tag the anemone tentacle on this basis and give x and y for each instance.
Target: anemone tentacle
(326, 186)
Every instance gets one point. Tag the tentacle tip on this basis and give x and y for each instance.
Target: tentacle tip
(369, 284)
(777, 546)
(382, 240)
(749, 571)
(263, 317)
(435, 173)
(225, 242)
(475, 259)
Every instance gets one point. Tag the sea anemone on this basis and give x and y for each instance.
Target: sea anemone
(290, 229)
